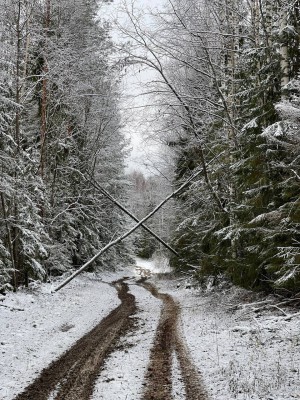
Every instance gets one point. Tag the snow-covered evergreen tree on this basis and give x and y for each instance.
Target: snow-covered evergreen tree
(224, 66)
(59, 122)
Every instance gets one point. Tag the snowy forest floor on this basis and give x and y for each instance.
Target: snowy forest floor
(243, 345)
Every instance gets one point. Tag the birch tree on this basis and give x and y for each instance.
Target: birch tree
(224, 65)
(60, 114)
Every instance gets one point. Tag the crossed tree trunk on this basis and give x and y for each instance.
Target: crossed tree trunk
(126, 234)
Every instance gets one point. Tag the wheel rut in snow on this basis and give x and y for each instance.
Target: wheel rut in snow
(158, 380)
(72, 376)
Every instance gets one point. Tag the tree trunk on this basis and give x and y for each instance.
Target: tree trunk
(18, 72)
(125, 235)
(44, 102)
(230, 62)
(14, 233)
(284, 62)
(10, 243)
(107, 195)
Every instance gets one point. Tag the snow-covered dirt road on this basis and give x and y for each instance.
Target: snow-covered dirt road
(156, 339)
(72, 376)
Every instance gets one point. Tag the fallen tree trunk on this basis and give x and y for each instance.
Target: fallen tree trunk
(125, 235)
(112, 199)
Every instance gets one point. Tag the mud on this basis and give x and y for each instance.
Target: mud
(158, 380)
(72, 376)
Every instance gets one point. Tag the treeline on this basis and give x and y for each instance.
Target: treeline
(145, 193)
(228, 91)
(59, 127)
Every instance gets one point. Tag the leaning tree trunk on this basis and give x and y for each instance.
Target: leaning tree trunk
(135, 227)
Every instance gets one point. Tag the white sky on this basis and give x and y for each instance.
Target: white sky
(136, 107)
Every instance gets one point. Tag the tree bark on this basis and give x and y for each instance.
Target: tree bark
(125, 235)
(18, 72)
(10, 243)
(44, 102)
(105, 193)
(284, 63)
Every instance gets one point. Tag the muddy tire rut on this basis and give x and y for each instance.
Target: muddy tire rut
(168, 340)
(73, 375)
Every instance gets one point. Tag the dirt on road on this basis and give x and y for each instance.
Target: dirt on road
(73, 375)
(168, 342)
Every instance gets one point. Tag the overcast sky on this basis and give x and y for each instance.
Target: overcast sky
(136, 107)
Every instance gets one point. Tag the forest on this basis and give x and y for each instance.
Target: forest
(227, 99)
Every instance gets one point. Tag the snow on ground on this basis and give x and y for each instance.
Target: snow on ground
(40, 326)
(155, 266)
(178, 391)
(241, 354)
(124, 371)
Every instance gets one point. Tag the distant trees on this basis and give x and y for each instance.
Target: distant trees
(59, 119)
(228, 80)
(143, 196)
(227, 94)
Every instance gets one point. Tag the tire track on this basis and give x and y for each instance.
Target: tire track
(72, 376)
(158, 380)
